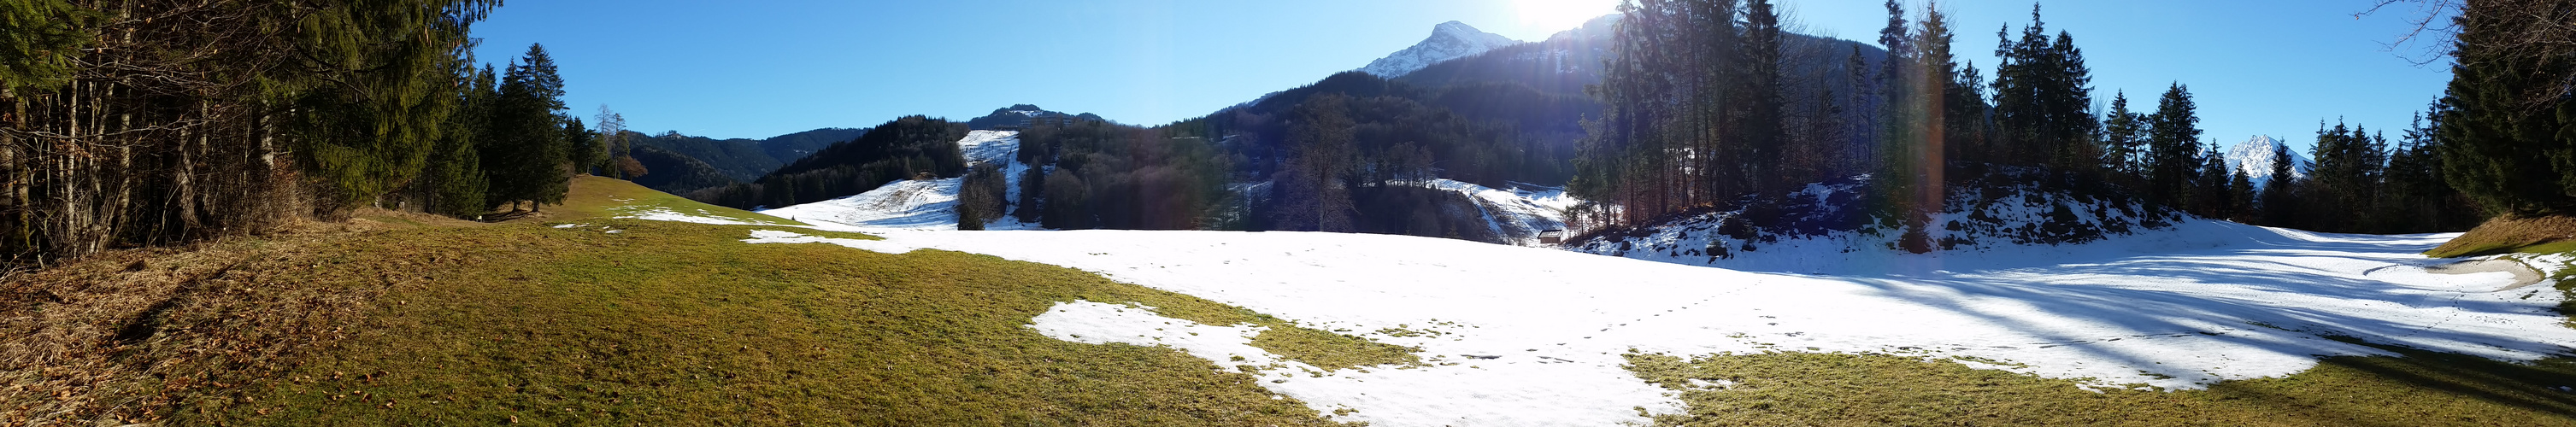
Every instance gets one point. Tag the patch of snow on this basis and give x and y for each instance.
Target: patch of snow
(701, 217)
(1534, 388)
(879, 246)
(1538, 334)
(1449, 40)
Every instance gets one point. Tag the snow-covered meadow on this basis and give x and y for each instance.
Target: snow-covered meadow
(1536, 334)
(1517, 335)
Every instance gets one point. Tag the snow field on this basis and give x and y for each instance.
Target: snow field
(2178, 308)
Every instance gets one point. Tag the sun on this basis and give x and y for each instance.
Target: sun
(1561, 14)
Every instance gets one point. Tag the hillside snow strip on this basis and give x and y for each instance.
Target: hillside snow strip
(1517, 215)
(922, 204)
(1531, 336)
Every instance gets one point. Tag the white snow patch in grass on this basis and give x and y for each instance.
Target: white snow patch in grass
(880, 246)
(2179, 308)
(702, 217)
(1519, 389)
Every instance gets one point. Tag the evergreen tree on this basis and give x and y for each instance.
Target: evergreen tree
(2347, 175)
(1760, 99)
(584, 149)
(2280, 197)
(2240, 189)
(2212, 195)
(2124, 138)
(2509, 134)
(2173, 135)
(2415, 197)
(457, 185)
(2043, 101)
(526, 156)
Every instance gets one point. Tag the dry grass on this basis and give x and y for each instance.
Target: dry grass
(2512, 234)
(396, 319)
(125, 335)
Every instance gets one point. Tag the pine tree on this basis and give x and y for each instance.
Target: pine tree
(2280, 196)
(2509, 135)
(526, 156)
(2173, 135)
(1761, 97)
(2347, 175)
(2043, 101)
(2240, 189)
(2212, 193)
(2124, 138)
(456, 179)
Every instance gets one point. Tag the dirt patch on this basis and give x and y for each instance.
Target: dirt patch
(2523, 275)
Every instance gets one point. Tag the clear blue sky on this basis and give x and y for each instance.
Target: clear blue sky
(753, 69)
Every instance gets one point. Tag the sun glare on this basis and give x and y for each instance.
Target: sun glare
(1561, 14)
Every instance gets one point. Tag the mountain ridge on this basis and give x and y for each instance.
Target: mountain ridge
(1449, 40)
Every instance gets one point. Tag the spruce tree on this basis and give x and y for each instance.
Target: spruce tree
(2173, 137)
(2240, 189)
(2509, 135)
(2210, 191)
(584, 150)
(2280, 196)
(526, 157)
(456, 179)
(2124, 138)
(2043, 101)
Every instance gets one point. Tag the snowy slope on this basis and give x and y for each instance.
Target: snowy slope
(1536, 335)
(922, 204)
(1517, 215)
(1449, 40)
(2254, 158)
(1823, 228)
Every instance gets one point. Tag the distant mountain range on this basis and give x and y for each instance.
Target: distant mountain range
(739, 160)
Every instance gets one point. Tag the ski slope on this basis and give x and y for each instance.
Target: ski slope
(1516, 215)
(1531, 336)
(922, 204)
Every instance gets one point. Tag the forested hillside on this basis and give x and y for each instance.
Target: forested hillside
(675, 173)
(905, 148)
(156, 122)
(1022, 115)
(745, 159)
(1701, 113)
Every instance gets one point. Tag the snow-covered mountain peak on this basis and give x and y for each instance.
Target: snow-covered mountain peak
(1449, 40)
(2254, 158)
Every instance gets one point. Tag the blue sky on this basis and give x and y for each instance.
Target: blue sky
(753, 69)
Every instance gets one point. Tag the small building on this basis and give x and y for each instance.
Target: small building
(1551, 237)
